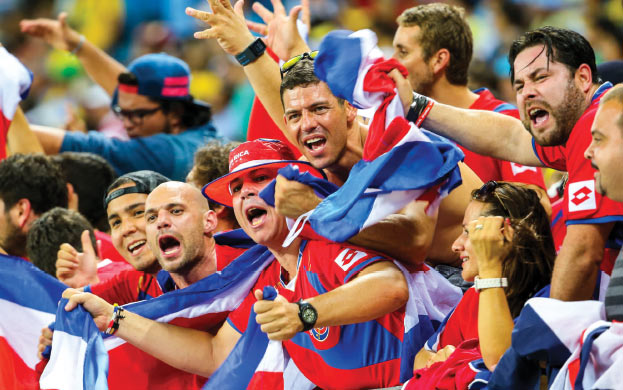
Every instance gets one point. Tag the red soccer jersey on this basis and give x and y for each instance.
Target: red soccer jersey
(365, 355)
(107, 269)
(582, 203)
(489, 168)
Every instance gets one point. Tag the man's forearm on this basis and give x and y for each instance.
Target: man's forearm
(102, 68)
(406, 236)
(484, 132)
(379, 289)
(577, 263)
(183, 348)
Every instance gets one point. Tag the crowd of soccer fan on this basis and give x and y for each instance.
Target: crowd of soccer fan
(174, 205)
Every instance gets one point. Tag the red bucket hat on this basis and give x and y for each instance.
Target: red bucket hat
(252, 155)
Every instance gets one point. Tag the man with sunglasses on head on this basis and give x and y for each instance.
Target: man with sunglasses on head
(151, 97)
(328, 133)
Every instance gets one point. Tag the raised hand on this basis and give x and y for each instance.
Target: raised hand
(280, 30)
(227, 25)
(55, 32)
(77, 269)
(490, 238)
(293, 198)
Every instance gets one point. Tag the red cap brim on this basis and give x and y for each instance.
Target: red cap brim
(218, 190)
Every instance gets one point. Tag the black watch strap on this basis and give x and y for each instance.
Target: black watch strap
(307, 314)
(252, 52)
(419, 109)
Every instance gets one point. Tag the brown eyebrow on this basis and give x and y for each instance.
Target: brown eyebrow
(168, 206)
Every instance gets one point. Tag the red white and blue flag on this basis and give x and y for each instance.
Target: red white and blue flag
(15, 80)
(401, 162)
(203, 305)
(28, 298)
(581, 349)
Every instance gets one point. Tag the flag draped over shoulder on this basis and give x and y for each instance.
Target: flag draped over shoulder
(28, 301)
(431, 296)
(15, 80)
(401, 162)
(570, 336)
(202, 305)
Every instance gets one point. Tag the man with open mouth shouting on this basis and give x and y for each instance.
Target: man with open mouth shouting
(328, 292)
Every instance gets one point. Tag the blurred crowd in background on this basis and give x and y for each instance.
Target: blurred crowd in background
(63, 96)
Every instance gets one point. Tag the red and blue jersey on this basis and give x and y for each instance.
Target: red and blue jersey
(489, 168)
(364, 355)
(582, 203)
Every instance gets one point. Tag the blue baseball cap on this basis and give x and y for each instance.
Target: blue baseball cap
(160, 76)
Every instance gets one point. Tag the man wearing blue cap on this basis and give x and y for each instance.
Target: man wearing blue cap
(151, 97)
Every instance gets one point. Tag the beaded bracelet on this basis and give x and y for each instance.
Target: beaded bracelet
(117, 315)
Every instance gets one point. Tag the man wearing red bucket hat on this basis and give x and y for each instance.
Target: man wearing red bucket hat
(340, 309)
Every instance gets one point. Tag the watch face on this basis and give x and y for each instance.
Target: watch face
(309, 315)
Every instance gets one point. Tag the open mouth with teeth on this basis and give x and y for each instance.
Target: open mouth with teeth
(315, 144)
(135, 247)
(538, 116)
(256, 216)
(169, 245)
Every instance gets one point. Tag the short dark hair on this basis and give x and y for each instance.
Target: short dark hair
(443, 26)
(561, 45)
(301, 75)
(212, 162)
(529, 264)
(34, 177)
(53, 228)
(90, 175)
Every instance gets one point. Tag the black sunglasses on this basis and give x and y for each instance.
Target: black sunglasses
(135, 116)
(489, 189)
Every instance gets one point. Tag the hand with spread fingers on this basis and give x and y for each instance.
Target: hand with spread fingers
(293, 198)
(279, 319)
(56, 33)
(227, 25)
(491, 241)
(280, 29)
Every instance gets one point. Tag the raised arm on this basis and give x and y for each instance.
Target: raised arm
(101, 67)
(491, 243)
(187, 349)
(230, 30)
(484, 132)
(405, 236)
(20, 138)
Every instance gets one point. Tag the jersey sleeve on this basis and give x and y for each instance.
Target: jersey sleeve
(583, 204)
(340, 263)
(126, 287)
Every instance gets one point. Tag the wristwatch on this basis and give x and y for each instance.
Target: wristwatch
(252, 52)
(307, 314)
(481, 284)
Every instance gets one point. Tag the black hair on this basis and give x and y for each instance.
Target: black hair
(561, 45)
(90, 175)
(33, 177)
(53, 228)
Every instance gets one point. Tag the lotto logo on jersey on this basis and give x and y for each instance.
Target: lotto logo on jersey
(349, 257)
(582, 196)
(518, 168)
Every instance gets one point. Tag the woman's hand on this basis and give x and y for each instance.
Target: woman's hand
(490, 238)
